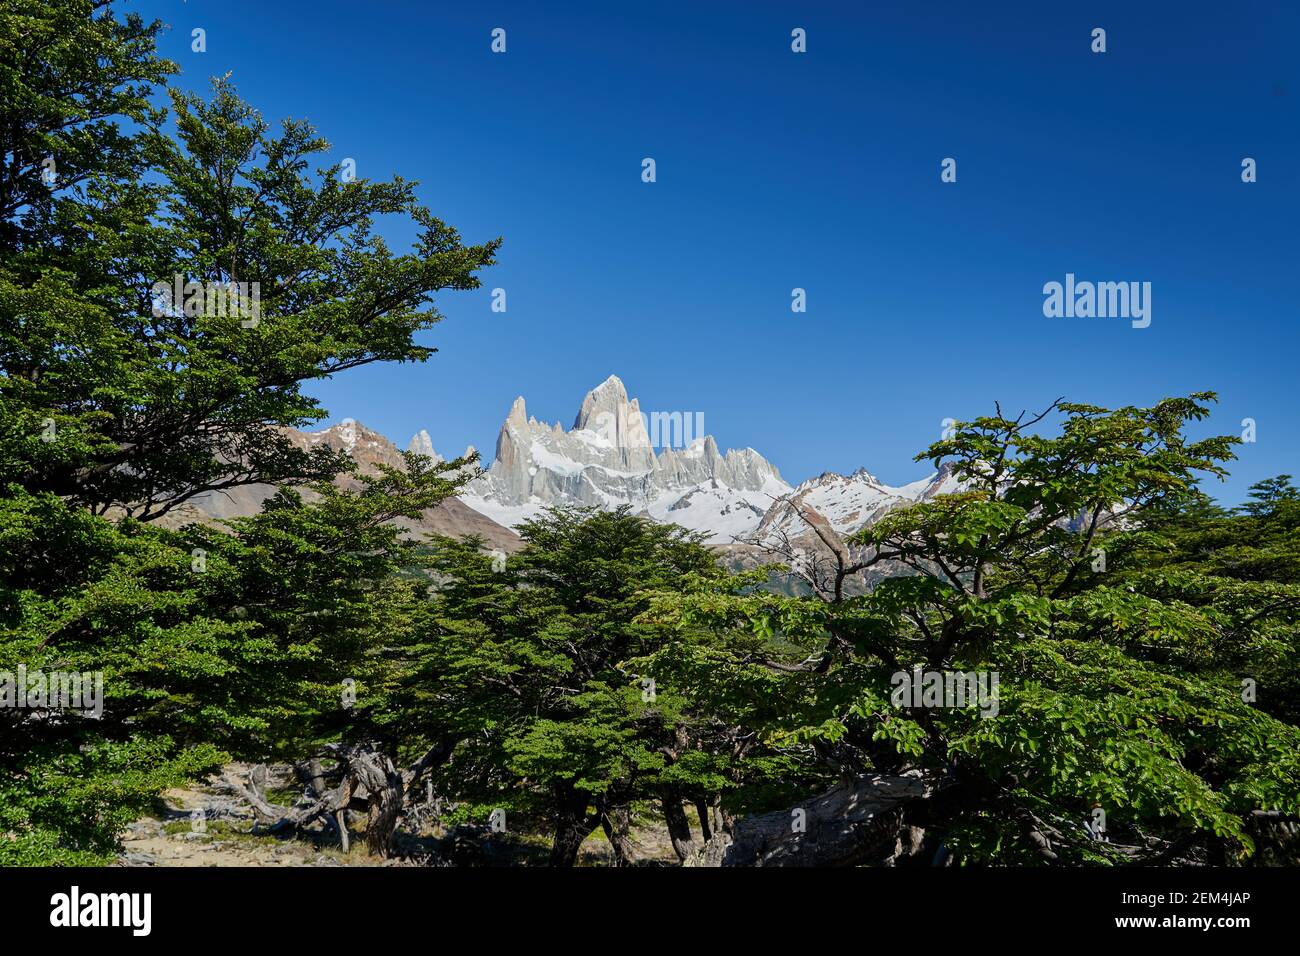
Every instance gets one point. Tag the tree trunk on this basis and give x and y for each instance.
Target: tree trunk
(341, 824)
(368, 775)
(385, 795)
(723, 821)
(617, 825)
(312, 775)
(566, 844)
(679, 828)
(572, 825)
(702, 811)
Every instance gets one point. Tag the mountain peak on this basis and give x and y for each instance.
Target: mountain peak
(608, 459)
(612, 382)
(422, 444)
(518, 412)
(608, 398)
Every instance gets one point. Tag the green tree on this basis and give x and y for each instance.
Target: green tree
(1112, 692)
(152, 400)
(1241, 569)
(118, 404)
(549, 679)
(1270, 495)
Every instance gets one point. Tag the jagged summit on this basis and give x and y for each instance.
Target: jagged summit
(607, 398)
(609, 458)
(422, 444)
(518, 414)
(662, 464)
(849, 502)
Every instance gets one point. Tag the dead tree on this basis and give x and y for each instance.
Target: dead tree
(368, 781)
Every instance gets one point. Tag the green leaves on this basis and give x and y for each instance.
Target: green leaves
(193, 401)
(115, 401)
(584, 667)
(1076, 568)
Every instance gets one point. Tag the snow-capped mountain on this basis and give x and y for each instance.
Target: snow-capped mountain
(422, 444)
(607, 459)
(848, 502)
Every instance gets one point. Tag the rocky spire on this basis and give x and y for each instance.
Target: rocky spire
(608, 397)
(607, 459)
(518, 413)
(422, 444)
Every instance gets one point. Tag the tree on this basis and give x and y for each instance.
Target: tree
(72, 73)
(118, 393)
(120, 401)
(553, 685)
(1271, 494)
(1241, 569)
(1112, 718)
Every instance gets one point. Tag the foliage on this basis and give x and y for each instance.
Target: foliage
(1119, 673)
(554, 685)
(116, 408)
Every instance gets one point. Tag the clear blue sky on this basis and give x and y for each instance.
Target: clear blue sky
(821, 171)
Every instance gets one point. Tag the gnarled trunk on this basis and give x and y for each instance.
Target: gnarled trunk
(385, 795)
(679, 827)
(572, 825)
(617, 824)
(367, 774)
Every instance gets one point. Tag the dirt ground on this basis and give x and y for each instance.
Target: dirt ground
(203, 827)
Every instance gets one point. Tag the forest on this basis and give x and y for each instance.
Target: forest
(1076, 659)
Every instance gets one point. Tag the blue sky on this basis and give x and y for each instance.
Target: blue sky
(821, 170)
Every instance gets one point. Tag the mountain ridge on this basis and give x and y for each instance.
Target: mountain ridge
(368, 449)
(608, 459)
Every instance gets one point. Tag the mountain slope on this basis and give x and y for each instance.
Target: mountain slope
(369, 449)
(848, 503)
